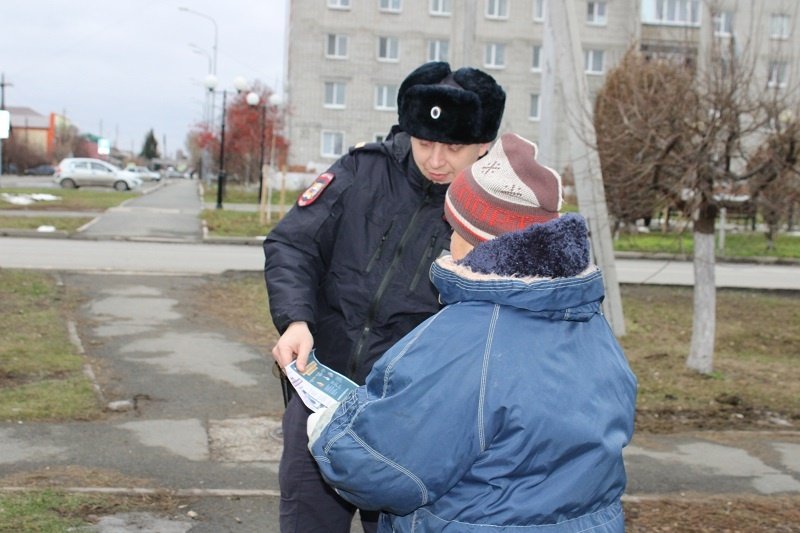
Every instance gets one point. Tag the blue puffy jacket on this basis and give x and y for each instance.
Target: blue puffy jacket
(505, 412)
(354, 263)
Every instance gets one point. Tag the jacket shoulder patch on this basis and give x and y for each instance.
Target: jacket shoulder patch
(314, 191)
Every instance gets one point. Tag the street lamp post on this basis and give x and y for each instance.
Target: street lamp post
(240, 84)
(253, 99)
(214, 49)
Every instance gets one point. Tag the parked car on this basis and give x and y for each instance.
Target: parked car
(75, 172)
(172, 172)
(144, 173)
(40, 170)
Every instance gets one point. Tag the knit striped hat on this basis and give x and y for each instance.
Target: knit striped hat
(506, 190)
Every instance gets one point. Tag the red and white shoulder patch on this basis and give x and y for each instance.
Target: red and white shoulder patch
(314, 191)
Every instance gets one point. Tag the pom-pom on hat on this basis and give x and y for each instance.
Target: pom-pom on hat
(461, 107)
(506, 190)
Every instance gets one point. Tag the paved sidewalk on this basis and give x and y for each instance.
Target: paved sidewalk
(203, 411)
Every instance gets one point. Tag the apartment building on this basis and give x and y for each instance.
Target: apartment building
(347, 58)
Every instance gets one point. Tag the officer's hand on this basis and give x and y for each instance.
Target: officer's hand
(296, 342)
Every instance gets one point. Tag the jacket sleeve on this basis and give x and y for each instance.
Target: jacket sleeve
(404, 438)
(298, 249)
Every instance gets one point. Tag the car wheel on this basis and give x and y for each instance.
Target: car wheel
(67, 183)
(120, 186)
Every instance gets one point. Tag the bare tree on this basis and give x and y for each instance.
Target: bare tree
(687, 133)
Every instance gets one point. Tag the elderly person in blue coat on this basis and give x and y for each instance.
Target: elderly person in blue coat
(507, 410)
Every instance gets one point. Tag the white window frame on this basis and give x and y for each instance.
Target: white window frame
(497, 9)
(438, 49)
(539, 10)
(339, 42)
(326, 137)
(386, 97)
(339, 4)
(494, 55)
(337, 90)
(672, 12)
(389, 46)
(590, 55)
(390, 6)
(779, 26)
(778, 74)
(723, 23)
(440, 8)
(535, 107)
(597, 13)
(536, 58)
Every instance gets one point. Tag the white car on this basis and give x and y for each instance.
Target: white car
(143, 173)
(74, 172)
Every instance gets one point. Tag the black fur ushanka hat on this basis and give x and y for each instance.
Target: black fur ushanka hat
(461, 107)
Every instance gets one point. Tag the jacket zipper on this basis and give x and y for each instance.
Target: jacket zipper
(379, 250)
(355, 357)
(422, 262)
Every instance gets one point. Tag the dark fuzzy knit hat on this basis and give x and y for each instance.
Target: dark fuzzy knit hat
(461, 107)
(558, 248)
(506, 190)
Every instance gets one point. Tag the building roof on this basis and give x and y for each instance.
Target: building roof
(25, 117)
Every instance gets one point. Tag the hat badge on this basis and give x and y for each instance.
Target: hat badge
(436, 112)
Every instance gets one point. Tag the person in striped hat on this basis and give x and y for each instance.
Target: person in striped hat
(507, 410)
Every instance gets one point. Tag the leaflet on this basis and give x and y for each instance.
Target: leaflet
(319, 386)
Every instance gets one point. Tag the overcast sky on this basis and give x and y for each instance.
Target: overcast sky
(118, 68)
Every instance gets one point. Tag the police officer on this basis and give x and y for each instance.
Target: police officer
(347, 268)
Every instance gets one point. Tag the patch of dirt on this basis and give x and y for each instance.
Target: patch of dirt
(740, 514)
(72, 476)
(717, 417)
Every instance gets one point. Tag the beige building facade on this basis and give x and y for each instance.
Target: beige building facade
(345, 59)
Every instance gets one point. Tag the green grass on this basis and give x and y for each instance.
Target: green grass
(41, 372)
(737, 245)
(54, 511)
(222, 223)
(235, 194)
(70, 199)
(68, 224)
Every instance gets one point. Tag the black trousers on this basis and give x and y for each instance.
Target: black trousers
(308, 504)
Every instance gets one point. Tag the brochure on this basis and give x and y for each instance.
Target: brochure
(319, 386)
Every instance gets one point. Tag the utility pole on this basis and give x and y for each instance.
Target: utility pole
(563, 51)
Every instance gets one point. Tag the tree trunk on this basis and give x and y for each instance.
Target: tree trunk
(701, 351)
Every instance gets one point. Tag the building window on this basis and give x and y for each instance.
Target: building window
(339, 4)
(538, 10)
(494, 55)
(779, 26)
(535, 109)
(723, 24)
(596, 13)
(334, 94)
(672, 12)
(392, 6)
(336, 46)
(536, 58)
(378, 137)
(332, 143)
(386, 97)
(593, 60)
(497, 9)
(441, 8)
(438, 50)
(778, 74)
(388, 48)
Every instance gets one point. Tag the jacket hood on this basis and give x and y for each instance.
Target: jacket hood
(544, 268)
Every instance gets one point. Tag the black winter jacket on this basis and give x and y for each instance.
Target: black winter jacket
(355, 263)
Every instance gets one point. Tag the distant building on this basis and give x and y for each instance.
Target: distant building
(346, 58)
